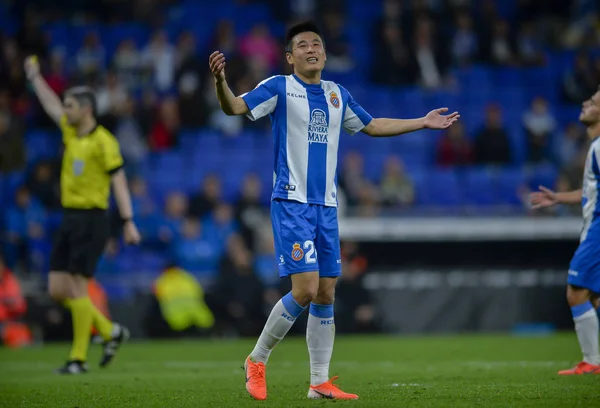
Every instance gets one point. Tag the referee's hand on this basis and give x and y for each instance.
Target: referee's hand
(131, 233)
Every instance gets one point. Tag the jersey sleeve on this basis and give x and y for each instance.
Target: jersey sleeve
(355, 117)
(67, 130)
(110, 153)
(262, 100)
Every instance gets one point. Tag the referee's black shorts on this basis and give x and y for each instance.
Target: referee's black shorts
(80, 241)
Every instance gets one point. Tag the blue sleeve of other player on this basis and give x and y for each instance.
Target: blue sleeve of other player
(262, 100)
(355, 117)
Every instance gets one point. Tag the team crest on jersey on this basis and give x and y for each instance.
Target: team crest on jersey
(297, 252)
(78, 167)
(335, 101)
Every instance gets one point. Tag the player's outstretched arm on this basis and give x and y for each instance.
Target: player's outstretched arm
(230, 104)
(547, 198)
(123, 199)
(49, 100)
(382, 127)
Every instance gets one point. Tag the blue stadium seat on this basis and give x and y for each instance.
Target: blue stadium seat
(479, 186)
(440, 187)
(508, 183)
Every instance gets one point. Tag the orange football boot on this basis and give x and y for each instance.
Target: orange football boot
(256, 379)
(330, 391)
(581, 368)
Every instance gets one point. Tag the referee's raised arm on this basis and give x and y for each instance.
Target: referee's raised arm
(49, 100)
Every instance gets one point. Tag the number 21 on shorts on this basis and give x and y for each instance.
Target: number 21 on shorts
(311, 253)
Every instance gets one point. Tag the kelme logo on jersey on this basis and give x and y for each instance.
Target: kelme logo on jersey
(317, 128)
(335, 101)
(297, 252)
(78, 167)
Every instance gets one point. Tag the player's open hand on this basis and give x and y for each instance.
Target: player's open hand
(436, 120)
(131, 233)
(32, 67)
(216, 61)
(543, 198)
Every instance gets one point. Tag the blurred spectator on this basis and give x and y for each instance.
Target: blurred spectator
(30, 38)
(13, 333)
(196, 252)
(43, 182)
(339, 58)
(189, 75)
(464, 42)
(226, 42)
(56, 78)
(393, 63)
(159, 56)
(355, 311)
(12, 146)
(570, 143)
(146, 111)
(529, 46)
(261, 50)
(111, 97)
(107, 266)
(220, 225)
(249, 211)
(368, 204)
(580, 82)
(396, 189)
(180, 298)
(430, 57)
(165, 130)
(127, 64)
(171, 221)
(205, 201)
(492, 145)
(501, 46)
(239, 290)
(90, 58)
(539, 125)
(352, 177)
(131, 138)
(265, 262)
(24, 223)
(454, 148)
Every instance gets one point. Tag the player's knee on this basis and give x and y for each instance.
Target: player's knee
(325, 297)
(577, 296)
(305, 294)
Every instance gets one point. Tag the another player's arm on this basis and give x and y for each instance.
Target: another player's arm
(547, 198)
(230, 104)
(383, 127)
(49, 100)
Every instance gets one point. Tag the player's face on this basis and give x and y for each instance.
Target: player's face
(73, 110)
(590, 113)
(308, 53)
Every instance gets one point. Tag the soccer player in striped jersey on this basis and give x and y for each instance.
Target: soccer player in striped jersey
(583, 282)
(307, 115)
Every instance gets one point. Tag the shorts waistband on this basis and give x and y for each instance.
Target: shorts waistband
(84, 211)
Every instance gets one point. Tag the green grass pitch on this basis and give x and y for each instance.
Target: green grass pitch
(453, 371)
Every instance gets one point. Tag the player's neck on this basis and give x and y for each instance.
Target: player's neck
(313, 78)
(86, 126)
(593, 131)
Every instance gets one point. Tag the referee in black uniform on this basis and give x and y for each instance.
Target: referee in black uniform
(92, 162)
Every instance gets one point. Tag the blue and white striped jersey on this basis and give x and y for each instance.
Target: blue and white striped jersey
(590, 201)
(307, 121)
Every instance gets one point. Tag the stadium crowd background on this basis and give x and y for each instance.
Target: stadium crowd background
(517, 70)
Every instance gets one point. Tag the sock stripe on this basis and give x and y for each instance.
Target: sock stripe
(579, 310)
(321, 311)
(291, 305)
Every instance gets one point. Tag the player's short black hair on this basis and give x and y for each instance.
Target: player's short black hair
(305, 27)
(85, 96)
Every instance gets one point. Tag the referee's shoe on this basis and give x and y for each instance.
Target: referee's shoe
(120, 335)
